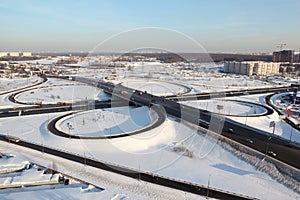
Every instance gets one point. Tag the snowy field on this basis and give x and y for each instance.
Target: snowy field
(263, 122)
(61, 93)
(15, 83)
(227, 107)
(154, 151)
(158, 88)
(36, 183)
(115, 186)
(173, 149)
(282, 102)
(55, 90)
(40, 61)
(168, 79)
(104, 122)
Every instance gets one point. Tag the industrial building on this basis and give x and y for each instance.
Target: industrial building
(252, 68)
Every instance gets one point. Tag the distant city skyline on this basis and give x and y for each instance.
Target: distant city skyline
(233, 26)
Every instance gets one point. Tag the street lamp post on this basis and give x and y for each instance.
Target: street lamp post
(208, 182)
(291, 135)
(267, 146)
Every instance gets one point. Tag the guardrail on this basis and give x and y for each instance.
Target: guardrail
(28, 184)
(53, 126)
(133, 173)
(287, 120)
(279, 171)
(30, 86)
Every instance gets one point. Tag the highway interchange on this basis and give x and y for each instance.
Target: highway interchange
(286, 151)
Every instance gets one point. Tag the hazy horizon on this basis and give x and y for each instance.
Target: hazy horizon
(235, 26)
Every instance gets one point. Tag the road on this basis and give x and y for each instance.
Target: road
(51, 108)
(161, 119)
(26, 87)
(286, 151)
(205, 96)
(144, 176)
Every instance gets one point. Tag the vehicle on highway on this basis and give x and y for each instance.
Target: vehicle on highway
(12, 139)
(271, 153)
(124, 92)
(249, 140)
(230, 130)
(203, 123)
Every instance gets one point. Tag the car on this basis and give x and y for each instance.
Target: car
(230, 130)
(271, 153)
(249, 141)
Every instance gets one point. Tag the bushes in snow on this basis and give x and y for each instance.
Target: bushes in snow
(184, 150)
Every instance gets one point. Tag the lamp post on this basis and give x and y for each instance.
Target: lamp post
(291, 135)
(267, 145)
(208, 182)
(272, 124)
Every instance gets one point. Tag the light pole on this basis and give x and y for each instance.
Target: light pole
(208, 182)
(267, 146)
(246, 119)
(291, 135)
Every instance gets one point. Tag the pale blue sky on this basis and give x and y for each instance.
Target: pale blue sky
(218, 25)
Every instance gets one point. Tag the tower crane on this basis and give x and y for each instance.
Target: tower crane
(280, 46)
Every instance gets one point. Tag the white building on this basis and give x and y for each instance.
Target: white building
(252, 67)
(296, 57)
(26, 54)
(14, 54)
(3, 54)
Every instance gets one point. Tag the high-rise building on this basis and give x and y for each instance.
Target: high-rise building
(3, 54)
(252, 67)
(283, 56)
(297, 57)
(14, 54)
(26, 54)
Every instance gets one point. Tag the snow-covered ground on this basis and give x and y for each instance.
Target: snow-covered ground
(227, 107)
(110, 121)
(55, 90)
(14, 83)
(168, 79)
(115, 186)
(36, 183)
(263, 122)
(40, 61)
(162, 150)
(154, 151)
(282, 102)
(61, 93)
(158, 88)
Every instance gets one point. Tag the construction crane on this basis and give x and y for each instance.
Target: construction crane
(280, 46)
